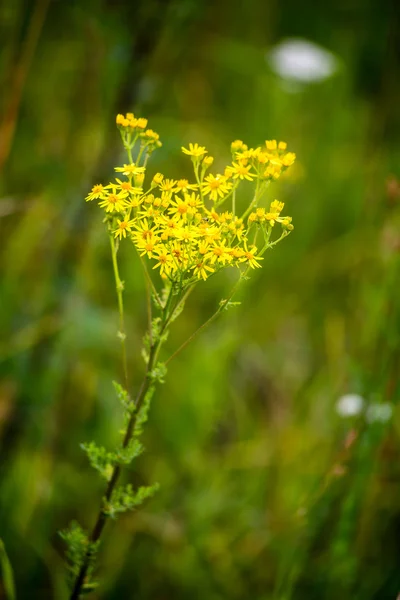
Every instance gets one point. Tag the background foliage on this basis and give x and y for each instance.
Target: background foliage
(266, 491)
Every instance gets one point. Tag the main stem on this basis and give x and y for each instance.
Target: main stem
(102, 514)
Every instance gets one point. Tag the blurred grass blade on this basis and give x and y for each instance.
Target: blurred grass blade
(7, 575)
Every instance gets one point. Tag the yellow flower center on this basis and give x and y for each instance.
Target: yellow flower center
(214, 185)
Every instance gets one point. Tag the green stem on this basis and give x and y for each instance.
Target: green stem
(232, 192)
(120, 288)
(149, 280)
(258, 193)
(196, 166)
(103, 515)
(223, 304)
(139, 156)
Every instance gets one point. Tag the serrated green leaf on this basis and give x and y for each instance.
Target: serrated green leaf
(143, 412)
(124, 498)
(101, 459)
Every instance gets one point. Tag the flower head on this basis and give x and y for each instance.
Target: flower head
(98, 192)
(240, 171)
(194, 150)
(130, 170)
(216, 186)
(177, 223)
(124, 227)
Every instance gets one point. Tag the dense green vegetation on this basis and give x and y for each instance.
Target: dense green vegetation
(266, 490)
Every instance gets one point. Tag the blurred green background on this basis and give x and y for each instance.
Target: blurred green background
(270, 488)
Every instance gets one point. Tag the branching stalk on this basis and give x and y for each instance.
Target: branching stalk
(119, 285)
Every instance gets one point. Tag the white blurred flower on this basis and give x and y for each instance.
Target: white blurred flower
(379, 412)
(302, 61)
(349, 405)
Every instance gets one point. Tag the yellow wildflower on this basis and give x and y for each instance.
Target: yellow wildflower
(139, 178)
(123, 227)
(194, 150)
(202, 270)
(193, 201)
(114, 202)
(236, 227)
(144, 231)
(152, 135)
(165, 261)
(271, 144)
(165, 199)
(288, 159)
(157, 179)
(218, 253)
(177, 252)
(182, 185)
(207, 161)
(130, 170)
(263, 158)
(238, 145)
(217, 186)
(277, 206)
(203, 247)
(273, 171)
(148, 198)
(248, 153)
(149, 212)
(240, 171)
(168, 222)
(186, 235)
(236, 253)
(126, 186)
(225, 216)
(98, 192)
(134, 201)
(167, 185)
(249, 256)
(146, 246)
(179, 207)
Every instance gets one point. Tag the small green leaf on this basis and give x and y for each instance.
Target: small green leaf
(124, 456)
(159, 372)
(100, 459)
(143, 412)
(124, 498)
(123, 396)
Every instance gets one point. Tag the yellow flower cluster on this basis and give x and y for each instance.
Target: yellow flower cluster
(176, 223)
